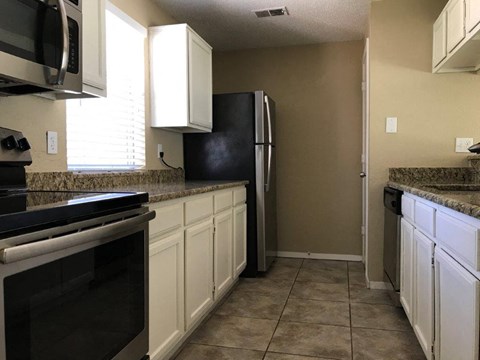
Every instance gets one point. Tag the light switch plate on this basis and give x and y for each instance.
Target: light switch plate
(462, 144)
(391, 125)
(52, 142)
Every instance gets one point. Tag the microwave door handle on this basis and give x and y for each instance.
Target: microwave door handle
(62, 71)
(106, 233)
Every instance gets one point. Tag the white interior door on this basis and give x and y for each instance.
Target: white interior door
(365, 129)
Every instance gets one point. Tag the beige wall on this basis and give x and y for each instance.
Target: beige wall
(34, 116)
(318, 96)
(432, 109)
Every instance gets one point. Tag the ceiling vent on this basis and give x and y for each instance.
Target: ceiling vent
(271, 12)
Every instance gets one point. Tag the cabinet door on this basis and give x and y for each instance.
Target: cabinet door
(200, 81)
(440, 39)
(472, 14)
(198, 271)
(239, 239)
(223, 252)
(456, 310)
(406, 269)
(423, 291)
(166, 295)
(94, 47)
(455, 23)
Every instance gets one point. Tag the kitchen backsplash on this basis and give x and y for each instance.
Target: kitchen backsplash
(86, 181)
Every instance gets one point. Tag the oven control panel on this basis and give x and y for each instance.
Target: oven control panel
(14, 148)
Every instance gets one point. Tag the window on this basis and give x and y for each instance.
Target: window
(109, 133)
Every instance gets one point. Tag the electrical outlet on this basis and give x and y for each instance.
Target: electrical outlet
(462, 144)
(52, 142)
(159, 150)
(391, 125)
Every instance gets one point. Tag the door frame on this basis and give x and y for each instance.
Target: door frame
(365, 149)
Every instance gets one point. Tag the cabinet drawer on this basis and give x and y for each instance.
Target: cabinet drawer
(408, 205)
(222, 201)
(239, 196)
(459, 238)
(424, 218)
(168, 218)
(198, 209)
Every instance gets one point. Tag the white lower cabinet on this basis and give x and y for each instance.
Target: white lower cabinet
(166, 293)
(198, 271)
(456, 310)
(423, 290)
(406, 269)
(443, 304)
(239, 239)
(223, 252)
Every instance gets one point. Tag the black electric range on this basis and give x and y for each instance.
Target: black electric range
(24, 210)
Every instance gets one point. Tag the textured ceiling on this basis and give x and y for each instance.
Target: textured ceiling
(231, 24)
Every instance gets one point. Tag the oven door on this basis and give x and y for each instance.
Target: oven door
(40, 46)
(77, 296)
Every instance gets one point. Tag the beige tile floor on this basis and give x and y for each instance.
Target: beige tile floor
(305, 310)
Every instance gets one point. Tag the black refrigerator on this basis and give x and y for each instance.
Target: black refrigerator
(241, 146)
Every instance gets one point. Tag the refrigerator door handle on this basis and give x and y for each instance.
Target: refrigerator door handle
(269, 116)
(269, 168)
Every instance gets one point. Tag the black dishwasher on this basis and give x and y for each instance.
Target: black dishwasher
(392, 200)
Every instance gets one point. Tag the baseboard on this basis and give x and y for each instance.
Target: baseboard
(379, 285)
(309, 255)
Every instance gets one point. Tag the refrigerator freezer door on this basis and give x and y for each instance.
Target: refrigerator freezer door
(264, 119)
(266, 205)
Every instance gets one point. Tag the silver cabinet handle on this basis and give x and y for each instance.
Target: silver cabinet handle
(43, 247)
(362, 174)
(62, 71)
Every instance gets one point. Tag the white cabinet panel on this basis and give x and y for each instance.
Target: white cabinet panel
(223, 252)
(408, 206)
(200, 77)
(440, 39)
(406, 269)
(457, 310)
(425, 218)
(168, 218)
(472, 14)
(198, 209)
(423, 291)
(166, 293)
(198, 271)
(94, 48)
(455, 23)
(239, 239)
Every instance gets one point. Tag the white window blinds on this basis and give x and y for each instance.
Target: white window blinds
(109, 133)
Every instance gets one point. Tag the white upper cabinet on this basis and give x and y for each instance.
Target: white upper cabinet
(181, 79)
(94, 48)
(440, 39)
(472, 15)
(455, 37)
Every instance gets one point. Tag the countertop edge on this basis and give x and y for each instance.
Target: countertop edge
(154, 198)
(440, 199)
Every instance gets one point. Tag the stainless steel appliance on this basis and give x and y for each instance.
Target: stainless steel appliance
(392, 200)
(73, 268)
(40, 46)
(241, 146)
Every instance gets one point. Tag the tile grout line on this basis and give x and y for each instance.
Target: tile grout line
(350, 309)
(281, 313)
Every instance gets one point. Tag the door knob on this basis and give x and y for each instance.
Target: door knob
(362, 174)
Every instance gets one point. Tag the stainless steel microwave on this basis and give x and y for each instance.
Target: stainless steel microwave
(40, 46)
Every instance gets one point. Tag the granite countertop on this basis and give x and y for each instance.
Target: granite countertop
(433, 184)
(161, 185)
(169, 191)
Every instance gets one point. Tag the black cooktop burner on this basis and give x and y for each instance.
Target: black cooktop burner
(25, 210)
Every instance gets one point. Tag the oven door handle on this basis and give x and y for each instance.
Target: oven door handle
(62, 70)
(106, 233)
